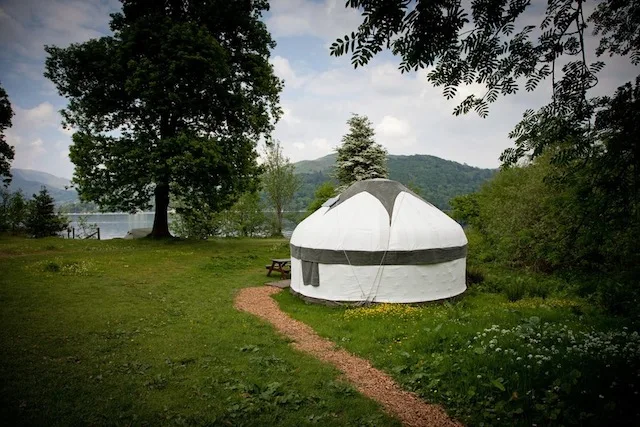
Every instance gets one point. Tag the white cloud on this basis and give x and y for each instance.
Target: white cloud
(298, 145)
(37, 147)
(395, 133)
(288, 116)
(43, 114)
(27, 25)
(393, 127)
(327, 19)
(39, 140)
(283, 69)
(27, 154)
(64, 155)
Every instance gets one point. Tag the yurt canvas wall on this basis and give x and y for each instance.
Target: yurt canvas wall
(378, 242)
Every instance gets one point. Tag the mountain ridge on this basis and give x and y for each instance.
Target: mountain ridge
(437, 180)
(30, 181)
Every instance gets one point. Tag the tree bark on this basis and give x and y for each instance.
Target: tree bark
(161, 218)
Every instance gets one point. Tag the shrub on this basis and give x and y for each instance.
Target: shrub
(539, 289)
(244, 219)
(52, 267)
(618, 298)
(515, 290)
(474, 276)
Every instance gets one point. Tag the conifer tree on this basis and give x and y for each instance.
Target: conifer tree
(359, 156)
(42, 220)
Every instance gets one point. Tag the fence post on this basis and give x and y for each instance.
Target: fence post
(98, 233)
(73, 232)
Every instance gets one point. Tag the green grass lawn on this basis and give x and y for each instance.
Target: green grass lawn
(144, 332)
(490, 361)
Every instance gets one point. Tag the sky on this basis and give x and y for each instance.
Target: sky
(321, 92)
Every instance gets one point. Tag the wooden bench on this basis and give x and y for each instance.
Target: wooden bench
(281, 265)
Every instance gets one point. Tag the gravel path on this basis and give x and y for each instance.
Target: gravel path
(408, 407)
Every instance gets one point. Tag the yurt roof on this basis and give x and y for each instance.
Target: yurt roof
(385, 190)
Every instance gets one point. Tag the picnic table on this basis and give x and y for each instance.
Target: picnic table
(281, 265)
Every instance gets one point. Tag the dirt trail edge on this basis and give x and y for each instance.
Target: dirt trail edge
(406, 406)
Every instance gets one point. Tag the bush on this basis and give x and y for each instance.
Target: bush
(474, 276)
(244, 219)
(539, 289)
(515, 291)
(618, 298)
(323, 193)
(52, 267)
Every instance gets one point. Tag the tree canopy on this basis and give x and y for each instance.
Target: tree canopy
(359, 156)
(173, 102)
(323, 192)
(492, 43)
(6, 151)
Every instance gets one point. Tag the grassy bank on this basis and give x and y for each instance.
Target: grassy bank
(143, 332)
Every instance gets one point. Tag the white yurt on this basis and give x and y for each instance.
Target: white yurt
(378, 242)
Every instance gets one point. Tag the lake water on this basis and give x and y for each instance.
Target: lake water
(114, 225)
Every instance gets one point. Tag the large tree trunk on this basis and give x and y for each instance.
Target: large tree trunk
(161, 218)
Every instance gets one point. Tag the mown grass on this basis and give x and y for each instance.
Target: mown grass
(142, 332)
(516, 349)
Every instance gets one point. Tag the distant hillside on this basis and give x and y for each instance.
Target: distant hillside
(323, 164)
(31, 181)
(436, 180)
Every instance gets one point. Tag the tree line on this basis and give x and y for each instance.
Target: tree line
(36, 217)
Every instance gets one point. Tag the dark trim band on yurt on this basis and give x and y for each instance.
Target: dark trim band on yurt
(361, 258)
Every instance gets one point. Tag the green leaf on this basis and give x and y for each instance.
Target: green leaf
(497, 384)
